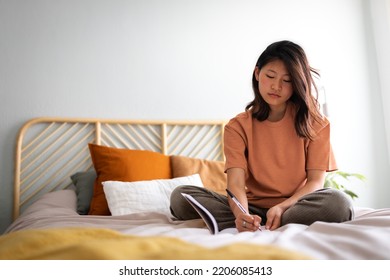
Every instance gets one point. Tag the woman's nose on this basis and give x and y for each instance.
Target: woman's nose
(277, 85)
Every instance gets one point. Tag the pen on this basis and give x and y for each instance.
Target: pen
(239, 205)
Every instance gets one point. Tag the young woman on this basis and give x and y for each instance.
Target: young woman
(277, 153)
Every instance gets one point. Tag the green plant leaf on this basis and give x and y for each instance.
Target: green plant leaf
(332, 180)
(351, 194)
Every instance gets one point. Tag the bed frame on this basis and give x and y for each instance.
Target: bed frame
(50, 150)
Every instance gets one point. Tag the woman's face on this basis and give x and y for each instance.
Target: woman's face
(274, 84)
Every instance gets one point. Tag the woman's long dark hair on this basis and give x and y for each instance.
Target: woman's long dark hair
(306, 104)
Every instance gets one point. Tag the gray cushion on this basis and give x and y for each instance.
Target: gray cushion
(84, 182)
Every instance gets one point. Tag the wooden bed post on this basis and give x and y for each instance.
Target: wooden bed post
(98, 133)
(164, 145)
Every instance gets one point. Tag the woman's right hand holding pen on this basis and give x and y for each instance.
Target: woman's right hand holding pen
(247, 222)
(236, 193)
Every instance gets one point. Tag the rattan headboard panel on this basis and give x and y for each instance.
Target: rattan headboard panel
(50, 150)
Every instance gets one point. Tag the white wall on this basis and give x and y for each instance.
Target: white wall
(184, 59)
(380, 22)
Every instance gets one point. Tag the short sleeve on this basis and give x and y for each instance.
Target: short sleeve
(320, 153)
(235, 146)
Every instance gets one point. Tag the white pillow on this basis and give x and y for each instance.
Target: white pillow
(144, 196)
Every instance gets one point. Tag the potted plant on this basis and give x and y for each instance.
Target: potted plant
(336, 180)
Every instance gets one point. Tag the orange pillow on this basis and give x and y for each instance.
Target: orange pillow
(211, 172)
(124, 165)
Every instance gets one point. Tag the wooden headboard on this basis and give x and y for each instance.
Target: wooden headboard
(50, 150)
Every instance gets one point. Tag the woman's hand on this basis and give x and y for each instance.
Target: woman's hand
(246, 222)
(274, 217)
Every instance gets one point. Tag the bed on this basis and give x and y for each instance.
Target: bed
(99, 189)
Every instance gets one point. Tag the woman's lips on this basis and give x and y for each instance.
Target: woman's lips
(274, 95)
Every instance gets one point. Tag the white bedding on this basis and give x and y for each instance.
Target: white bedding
(365, 237)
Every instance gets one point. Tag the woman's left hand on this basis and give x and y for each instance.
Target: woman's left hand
(274, 217)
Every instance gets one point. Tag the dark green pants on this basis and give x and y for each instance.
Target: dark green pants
(327, 205)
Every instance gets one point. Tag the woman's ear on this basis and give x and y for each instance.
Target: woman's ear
(257, 73)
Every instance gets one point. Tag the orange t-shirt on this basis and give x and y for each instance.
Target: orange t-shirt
(274, 157)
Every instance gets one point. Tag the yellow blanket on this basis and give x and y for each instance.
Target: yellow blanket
(104, 244)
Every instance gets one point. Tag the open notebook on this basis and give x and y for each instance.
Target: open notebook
(208, 218)
(205, 214)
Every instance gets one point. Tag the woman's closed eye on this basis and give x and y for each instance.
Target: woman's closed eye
(273, 77)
